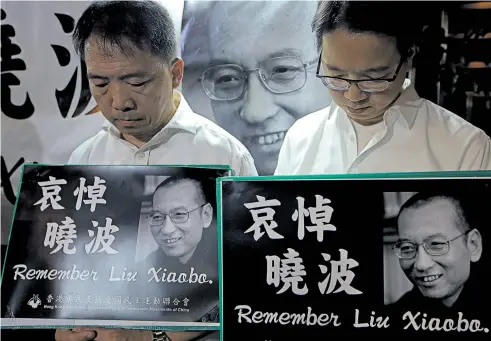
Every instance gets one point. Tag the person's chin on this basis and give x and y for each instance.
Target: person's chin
(174, 252)
(128, 126)
(360, 114)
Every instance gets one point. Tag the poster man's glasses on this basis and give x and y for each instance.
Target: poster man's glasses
(177, 216)
(280, 75)
(365, 85)
(433, 246)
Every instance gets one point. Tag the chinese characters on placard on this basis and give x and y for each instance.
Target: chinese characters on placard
(60, 235)
(289, 271)
(118, 302)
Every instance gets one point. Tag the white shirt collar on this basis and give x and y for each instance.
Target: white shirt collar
(406, 106)
(180, 121)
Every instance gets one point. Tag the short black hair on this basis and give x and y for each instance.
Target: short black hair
(174, 180)
(467, 206)
(146, 24)
(205, 179)
(389, 18)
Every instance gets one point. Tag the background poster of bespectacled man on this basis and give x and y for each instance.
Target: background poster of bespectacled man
(250, 67)
(119, 243)
(351, 257)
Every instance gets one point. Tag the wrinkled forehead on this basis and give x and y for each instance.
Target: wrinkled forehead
(260, 26)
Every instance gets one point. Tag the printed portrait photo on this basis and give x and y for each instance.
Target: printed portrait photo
(250, 67)
(177, 242)
(177, 221)
(434, 251)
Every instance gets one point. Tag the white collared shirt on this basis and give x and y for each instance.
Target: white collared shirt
(417, 136)
(188, 139)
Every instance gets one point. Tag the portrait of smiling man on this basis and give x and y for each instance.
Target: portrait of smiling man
(182, 222)
(180, 214)
(251, 66)
(438, 246)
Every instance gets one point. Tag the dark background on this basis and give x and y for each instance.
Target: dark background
(124, 189)
(453, 38)
(359, 218)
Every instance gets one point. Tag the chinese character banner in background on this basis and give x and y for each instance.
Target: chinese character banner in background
(344, 257)
(103, 244)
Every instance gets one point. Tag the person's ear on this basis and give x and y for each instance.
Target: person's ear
(410, 56)
(207, 215)
(177, 72)
(474, 245)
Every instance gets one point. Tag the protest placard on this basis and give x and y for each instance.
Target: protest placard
(129, 246)
(383, 256)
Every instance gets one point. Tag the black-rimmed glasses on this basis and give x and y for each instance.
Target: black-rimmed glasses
(279, 75)
(366, 85)
(178, 216)
(433, 246)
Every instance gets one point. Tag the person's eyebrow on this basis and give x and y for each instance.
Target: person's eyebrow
(404, 240)
(426, 238)
(436, 235)
(95, 76)
(376, 69)
(288, 52)
(138, 74)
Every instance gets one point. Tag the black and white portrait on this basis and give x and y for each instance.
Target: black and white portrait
(250, 67)
(178, 234)
(434, 251)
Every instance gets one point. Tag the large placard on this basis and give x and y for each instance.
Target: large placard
(133, 246)
(382, 256)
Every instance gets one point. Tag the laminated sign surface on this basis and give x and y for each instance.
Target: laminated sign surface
(114, 245)
(382, 256)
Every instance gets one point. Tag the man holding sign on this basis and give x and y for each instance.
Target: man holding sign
(130, 50)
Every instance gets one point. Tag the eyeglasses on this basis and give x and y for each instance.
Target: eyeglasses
(279, 75)
(343, 84)
(433, 246)
(177, 216)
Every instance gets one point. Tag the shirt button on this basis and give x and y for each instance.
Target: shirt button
(352, 138)
(141, 155)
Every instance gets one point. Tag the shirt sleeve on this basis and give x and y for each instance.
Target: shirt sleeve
(478, 154)
(80, 155)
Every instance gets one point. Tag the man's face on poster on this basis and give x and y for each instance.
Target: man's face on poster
(437, 223)
(178, 217)
(262, 76)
